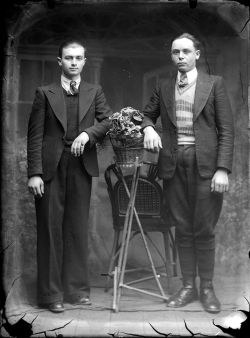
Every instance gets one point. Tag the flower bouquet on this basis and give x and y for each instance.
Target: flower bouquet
(126, 136)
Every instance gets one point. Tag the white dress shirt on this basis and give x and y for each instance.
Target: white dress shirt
(191, 75)
(65, 82)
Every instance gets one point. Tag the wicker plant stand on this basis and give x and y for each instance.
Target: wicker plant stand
(120, 269)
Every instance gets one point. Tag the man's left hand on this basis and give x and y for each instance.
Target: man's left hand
(220, 182)
(79, 143)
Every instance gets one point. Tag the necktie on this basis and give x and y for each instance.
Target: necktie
(183, 80)
(73, 88)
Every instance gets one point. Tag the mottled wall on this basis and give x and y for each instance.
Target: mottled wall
(132, 46)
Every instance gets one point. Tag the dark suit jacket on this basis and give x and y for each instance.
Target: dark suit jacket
(212, 121)
(48, 123)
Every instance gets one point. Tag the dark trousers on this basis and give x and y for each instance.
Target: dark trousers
(62, 233)
(194, 211)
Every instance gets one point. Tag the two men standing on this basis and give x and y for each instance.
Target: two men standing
(196, 152)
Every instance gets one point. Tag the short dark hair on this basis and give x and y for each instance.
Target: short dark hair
(195, 41)
(69, 42)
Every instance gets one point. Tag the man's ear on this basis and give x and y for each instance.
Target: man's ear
(198, 53)
(59, 60)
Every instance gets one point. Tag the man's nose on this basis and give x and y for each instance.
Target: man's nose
(181, 55)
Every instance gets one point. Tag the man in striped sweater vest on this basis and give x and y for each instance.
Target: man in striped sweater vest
(196, 152)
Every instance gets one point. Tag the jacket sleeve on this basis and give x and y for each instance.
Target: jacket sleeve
(102, 114)
(224, 125)
(152, 109)
(35, 134)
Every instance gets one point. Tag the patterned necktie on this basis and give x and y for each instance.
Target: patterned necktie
(183, 80)
(73, 89)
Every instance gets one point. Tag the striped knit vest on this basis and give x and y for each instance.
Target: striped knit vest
(184, 106)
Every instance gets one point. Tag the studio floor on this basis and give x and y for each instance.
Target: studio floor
(139, 314)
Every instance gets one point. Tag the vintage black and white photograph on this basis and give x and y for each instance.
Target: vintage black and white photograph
(125, 168)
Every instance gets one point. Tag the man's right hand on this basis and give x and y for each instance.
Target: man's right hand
(152, 140)
(36, 186)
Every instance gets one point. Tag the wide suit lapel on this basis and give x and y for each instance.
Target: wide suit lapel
(168, 96)
(204, 86)
(56, 99)
(86, 97)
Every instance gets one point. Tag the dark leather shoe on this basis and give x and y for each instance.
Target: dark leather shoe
(84, 301)
(79, 301)
(208, 299)
(184, 296)
(56, 307)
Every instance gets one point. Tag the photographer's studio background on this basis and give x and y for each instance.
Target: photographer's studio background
(128, 51)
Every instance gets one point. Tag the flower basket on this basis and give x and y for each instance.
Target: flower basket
(126, 154)
(126, 137)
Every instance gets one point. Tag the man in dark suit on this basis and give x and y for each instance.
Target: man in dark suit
(196, 151)
(62, 159)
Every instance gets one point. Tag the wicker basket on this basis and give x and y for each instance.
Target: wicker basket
(126, 154)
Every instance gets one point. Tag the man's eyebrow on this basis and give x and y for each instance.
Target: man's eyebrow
(77, 56)
(178, 50)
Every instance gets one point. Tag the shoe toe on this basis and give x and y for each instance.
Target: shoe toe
(183, 297)
(209, 301)
(56, 307)
(84, 301)
(173, 303)
(212, 308)
(81, 301)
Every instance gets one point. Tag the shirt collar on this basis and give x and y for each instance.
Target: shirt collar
(191, 75)
(65, 82)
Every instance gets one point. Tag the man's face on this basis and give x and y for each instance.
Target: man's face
(72, 60)
(184, 55)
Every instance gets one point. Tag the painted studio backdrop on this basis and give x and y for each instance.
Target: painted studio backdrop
(128, 48)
